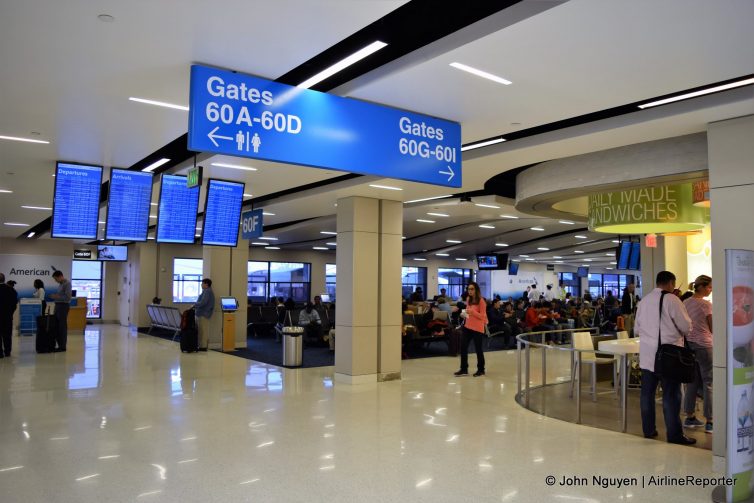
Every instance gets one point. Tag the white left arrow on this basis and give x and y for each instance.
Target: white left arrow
(212, 136)
(450, 172)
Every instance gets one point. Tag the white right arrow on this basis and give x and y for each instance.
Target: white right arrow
(212, 136)
(449, 172)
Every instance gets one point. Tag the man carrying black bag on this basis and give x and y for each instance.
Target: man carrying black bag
(661, 319)
(8, 301)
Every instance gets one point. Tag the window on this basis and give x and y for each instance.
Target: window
(571, 283)
(86, 279)
(187, 279)
(411, 277)
(599, 284)
(330, 274)
(279, 279)
(595, 285)
(454, 281)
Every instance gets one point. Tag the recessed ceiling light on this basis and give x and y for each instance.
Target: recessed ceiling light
(512, 217)
(487, 226)
(272, 248)
(540, 229)
(454, 241)
(515, 260)
(159, 103)
(542, 248)
(37, 208)
(6, 191)
(487, 206)
(614, 263)
(153, 204)
(27, 140)
(503, 245)
(609, 268)
(438, 214)
(578, 251)
(329, 233)
(702, 92)
(31, 234)
(386, 187)
(529, 259)
(247, 195)
(233, 166)
(424, 221)
(615, 241)
(320, 248)
(427, 199)
(525, 256)
(481, 144)
(155, 165)
(152, 216)
(609, 254)
(331, 244)
(566, 222)
(260, 244)
(403, 237)
(481, 73)
(420, 259)
(587, 260)
(268, 214)
(152, 238)
(16, 224)
(342, 64)
(581, 237)
(268, 239)
(101, 222)
(443, 254)
(461, 259)
(558, 261)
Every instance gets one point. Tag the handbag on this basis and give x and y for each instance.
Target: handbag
(677, 363)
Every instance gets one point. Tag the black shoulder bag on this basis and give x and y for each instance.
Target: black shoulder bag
(677, 363)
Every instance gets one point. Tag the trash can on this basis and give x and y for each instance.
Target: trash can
(293, 346)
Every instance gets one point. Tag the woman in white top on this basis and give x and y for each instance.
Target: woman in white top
(39, 290)
(700, 340)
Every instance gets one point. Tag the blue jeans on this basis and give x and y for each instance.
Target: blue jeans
(703, 380)
(671, 405)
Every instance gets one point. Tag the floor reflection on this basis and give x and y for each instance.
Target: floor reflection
(91, 376)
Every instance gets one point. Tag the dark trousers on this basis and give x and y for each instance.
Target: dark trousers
(6, 335)
(478, 337)
(61, 314)
(671, 405)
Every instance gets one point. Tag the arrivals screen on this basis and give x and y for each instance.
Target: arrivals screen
(176, 219)
(222, 213)
(128, 205)
(75, 207)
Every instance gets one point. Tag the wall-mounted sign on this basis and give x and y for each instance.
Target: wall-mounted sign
(651, 240)
(82, 254)
(700, 193)
(194, 177)
(240, 115)
(661, 209)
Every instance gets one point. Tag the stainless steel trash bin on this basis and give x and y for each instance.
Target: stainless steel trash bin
(293, 347)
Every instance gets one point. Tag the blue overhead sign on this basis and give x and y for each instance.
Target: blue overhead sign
(252, 225)
(240, 115)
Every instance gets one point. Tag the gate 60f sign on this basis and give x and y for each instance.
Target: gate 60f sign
(241, 115)
(251, 224)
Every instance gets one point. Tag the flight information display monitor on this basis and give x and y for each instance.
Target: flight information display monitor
(222, 213)
(128, 205)
(75, 207)
(634, 262)
(176, 217)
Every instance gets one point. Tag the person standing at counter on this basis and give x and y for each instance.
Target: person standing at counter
(204, 307)
(62, 306)
(8, 301)
(39, 292)
(661, 319)
(700, 340)
(475, 315)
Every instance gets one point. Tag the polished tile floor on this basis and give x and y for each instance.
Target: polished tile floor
(127, 417)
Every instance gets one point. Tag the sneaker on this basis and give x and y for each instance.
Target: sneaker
(692, 422)
(479, 373)
(461, 373)
(708, 427)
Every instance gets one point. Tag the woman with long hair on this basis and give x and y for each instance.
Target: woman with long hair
(475, 315)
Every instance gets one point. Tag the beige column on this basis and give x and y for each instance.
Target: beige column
(227, 268)
(368, 317)
(731, 174)
(676, 260)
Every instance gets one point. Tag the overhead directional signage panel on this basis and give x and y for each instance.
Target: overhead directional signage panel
(252, 224)
(75, 209)
(176, 219)
(240, 115)
(128, 205)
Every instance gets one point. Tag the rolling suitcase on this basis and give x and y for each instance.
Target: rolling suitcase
(189, 332)
(454, 341)
(47, 328)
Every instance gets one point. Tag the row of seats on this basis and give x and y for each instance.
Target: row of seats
(262, 319)
(165, 317)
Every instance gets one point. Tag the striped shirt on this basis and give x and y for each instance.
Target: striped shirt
(698, 310)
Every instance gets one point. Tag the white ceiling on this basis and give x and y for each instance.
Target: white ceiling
(69, 77)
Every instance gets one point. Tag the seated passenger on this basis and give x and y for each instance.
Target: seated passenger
(310, 320)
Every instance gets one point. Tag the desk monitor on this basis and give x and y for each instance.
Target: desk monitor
(228, 304)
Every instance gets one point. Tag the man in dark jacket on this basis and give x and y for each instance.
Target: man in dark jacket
(8, 302)
(628, 306)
